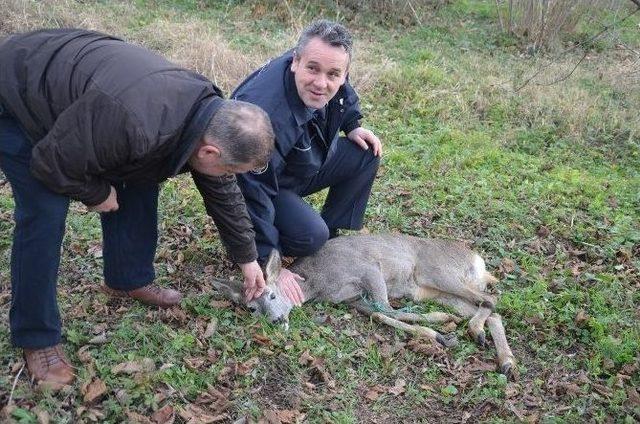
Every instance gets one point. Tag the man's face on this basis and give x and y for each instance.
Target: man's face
(320, 69)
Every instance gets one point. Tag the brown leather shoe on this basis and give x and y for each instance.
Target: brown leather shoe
(49, 367)
(150, 294)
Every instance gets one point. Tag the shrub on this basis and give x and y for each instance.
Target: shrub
(541, 23)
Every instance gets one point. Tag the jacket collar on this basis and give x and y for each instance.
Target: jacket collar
(194, 132)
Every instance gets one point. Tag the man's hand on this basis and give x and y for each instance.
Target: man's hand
(288, 283)
(365, 138)
(253, 280)
(109, 205)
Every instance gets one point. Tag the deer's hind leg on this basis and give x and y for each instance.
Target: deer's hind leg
(477, 315)
(375, 287)
(506, 360)
(388, 318)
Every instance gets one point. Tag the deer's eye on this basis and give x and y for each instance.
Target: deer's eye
(272, 296)
(252, 309)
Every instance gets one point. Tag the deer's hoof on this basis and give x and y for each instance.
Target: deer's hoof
(455, 319)
(510, 370)
(481, 339)
(447, 340)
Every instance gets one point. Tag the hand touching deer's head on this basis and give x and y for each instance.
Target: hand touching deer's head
(273, 304)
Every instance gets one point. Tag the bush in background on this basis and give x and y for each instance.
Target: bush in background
(540, 24)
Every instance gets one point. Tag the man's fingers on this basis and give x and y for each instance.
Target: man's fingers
(296, 293)
(289, 293)
(256, 292)
(289, 289)
(300, 294)
(249, 293)
(376, 144)
(360, 142)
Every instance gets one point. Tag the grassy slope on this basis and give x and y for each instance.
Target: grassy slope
(544, 182)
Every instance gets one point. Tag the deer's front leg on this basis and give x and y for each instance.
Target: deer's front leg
(447, 340)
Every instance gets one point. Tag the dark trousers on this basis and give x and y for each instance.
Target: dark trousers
(129, 242)
(349, 173)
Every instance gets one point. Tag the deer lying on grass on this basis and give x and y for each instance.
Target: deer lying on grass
(367, 270)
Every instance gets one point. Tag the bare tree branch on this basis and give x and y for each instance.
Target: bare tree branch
(584, 43)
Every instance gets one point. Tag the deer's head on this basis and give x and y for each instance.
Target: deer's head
(273, 304)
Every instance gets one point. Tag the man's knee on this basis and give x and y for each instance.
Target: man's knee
(372, 161)
(50, 214)
(307, 242)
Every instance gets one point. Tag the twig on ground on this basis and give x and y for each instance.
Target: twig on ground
(15, 382)
(415, 14)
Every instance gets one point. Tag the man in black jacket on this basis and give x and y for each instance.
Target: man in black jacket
(88, 117)
(310, 101)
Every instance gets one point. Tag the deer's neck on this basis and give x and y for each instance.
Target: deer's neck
(308, 290)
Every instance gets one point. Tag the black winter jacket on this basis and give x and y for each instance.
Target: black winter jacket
(101, 111)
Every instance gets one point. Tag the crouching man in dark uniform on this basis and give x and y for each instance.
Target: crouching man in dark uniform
(309, 100)
(86, 116)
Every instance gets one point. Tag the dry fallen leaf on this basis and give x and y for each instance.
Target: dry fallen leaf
(85, 355)
(246, 367)
(99, 339)
(633, 398)
(94, 390)
(511, 390)
(372, 395)
(196, 415)
(261, 339)
(581, 317)
(283, 416)
(220, 304)
(136, 418)
(481, 366)
(99, 328)
(398, 388)
(194, 363)
(131, 367)
(41, 415)
(507, 266)
(305, 358)
(164, 415)
(211, 328)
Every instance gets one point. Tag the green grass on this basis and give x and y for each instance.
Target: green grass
(543, 181)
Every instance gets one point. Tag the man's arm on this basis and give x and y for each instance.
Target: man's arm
(225, 204)
(351, 123)
(258, 190)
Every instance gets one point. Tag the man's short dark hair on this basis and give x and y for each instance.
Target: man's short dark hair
(243, 133)
(330, 32)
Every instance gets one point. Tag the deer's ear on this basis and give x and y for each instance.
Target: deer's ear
(231, 290)
(274, 263)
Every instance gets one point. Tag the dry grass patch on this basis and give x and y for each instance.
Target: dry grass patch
(202, 49)
(26, 15)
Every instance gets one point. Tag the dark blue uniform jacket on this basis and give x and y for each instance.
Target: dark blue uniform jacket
(294, 160)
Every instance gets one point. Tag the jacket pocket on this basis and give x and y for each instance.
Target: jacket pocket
(302, 161)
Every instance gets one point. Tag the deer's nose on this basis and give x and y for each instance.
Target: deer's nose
(279, 320)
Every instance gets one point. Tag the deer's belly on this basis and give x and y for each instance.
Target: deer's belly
(422, 293)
